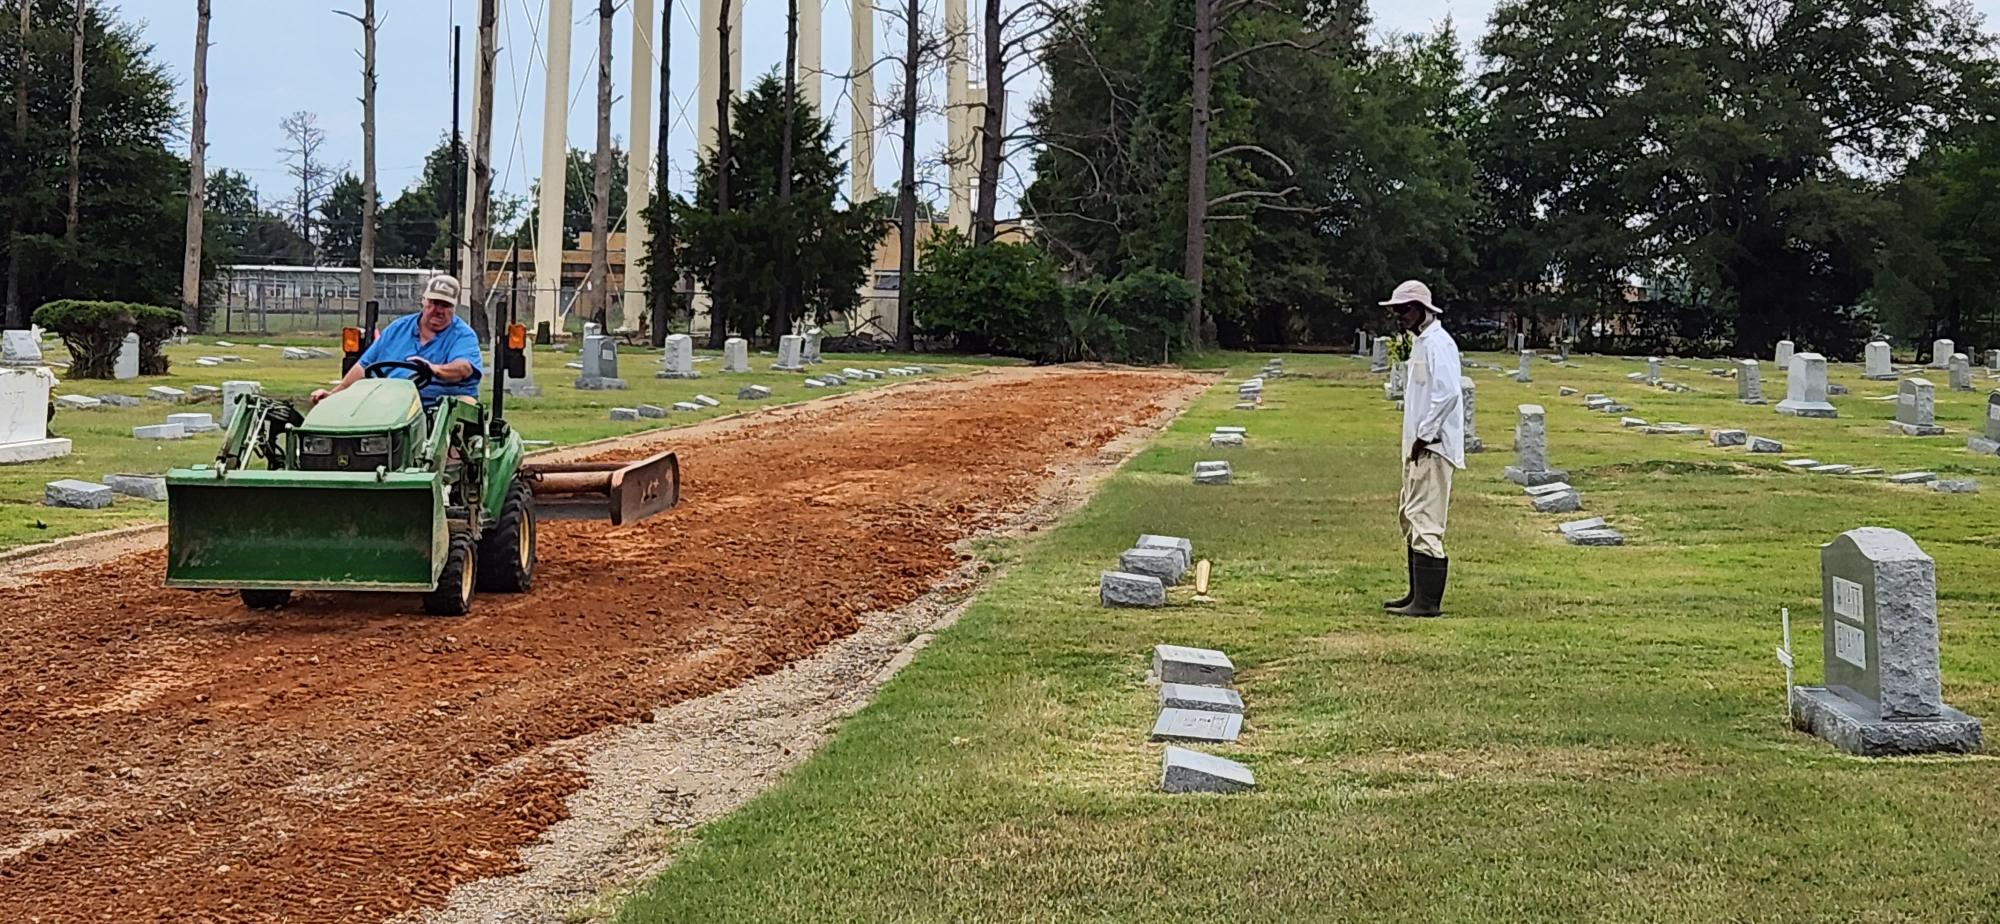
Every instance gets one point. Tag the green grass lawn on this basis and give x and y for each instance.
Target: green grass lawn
(103, 442)
(1592, 734)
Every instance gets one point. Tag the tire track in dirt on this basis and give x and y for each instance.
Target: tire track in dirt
(168, 755)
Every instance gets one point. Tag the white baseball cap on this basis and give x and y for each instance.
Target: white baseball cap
(441, 288)
(1413, 291)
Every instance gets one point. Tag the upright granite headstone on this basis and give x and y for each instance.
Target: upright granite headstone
(127, 364)
(1941, 351)
(677, 360)
(24, 416)
(1988, 442)
(1531, 450)
(1749, 382)
(1653, 369)
(1805, 388)
(1961, 372)
(736, 355)
(1361, 343)
(20, 348)
(1883, 694)
(231, 393)
(1879, 368)
(1398, 378)
(1468, 394)
(600, 364)
(1916, 409)
(1527, 366)
(1784, 356)
(1993, 360)
(791, 353)
(809, 347)
(1380, 360)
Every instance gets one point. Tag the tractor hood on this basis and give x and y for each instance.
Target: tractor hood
(367, 406)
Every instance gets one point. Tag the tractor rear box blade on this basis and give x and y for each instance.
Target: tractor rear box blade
(298, 530)
(622, 492)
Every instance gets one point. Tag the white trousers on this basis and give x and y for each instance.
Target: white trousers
(1426, 501)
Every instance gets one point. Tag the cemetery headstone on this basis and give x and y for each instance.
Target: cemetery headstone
(1916, 409)
(1749, 382)
(1200, 698)
(1526, 373)
(1941, 351)
(810, 346)
(688, 406)
(1783, 357)
(126, 366)
(1119, 588)
(1398, 375)
(77, 402)
(1468, 394)
(1728, 438)
(1961, 372)
(1181, 664)
(147, 487)
(791, 353)
(523, 385)
(1361, 343)
(168, 431)
(193, 423)
(753, 393)
(652, 411)
(1993, 360)
(1182, 770)
(234, 391)
(1217, 472)
(1531, 450)
(20, 348)
(79, 495)
(624, 413)
(736, 355)
(1380, 359)
(677, 361)
(600, 364)
(1955, 486)
(1987, 443)
(1653, 369)
(24, 416)
(1197, 725)
(1165, 564)
(1759, 444)
(1883, 694)
(1805, 388)
(1879, 368)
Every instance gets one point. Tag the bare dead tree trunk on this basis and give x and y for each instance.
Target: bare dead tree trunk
(992, 129)
(718, 327)
(197, 204)
(74, 219)
(1197, 195)
(663, 295)
(600, 199)
(480, 232)
(16, 318)
(781, 313)
(367, 151)
(906, 262)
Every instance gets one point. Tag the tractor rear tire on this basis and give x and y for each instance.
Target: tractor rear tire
(453, 596)
(265, 599)
(507, 551)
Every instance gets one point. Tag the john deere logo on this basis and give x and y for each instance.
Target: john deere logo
(341, 461)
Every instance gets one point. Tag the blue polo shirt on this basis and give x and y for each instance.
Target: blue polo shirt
(399, 341)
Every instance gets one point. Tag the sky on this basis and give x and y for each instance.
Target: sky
(269, 58)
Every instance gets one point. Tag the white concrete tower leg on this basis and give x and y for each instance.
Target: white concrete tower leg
(555, 163)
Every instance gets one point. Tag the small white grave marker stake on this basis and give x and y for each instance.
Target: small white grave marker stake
(1785, 656)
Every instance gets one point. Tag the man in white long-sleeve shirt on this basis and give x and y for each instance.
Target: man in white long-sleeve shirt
(1433, 447)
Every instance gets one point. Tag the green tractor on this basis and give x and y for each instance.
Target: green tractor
(369, 491)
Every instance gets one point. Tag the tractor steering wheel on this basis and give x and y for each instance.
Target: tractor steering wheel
(419, 375)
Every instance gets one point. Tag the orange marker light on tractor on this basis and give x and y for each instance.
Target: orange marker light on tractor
(350, 340)
(517, 337)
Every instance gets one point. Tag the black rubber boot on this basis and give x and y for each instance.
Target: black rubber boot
(1410, 563)
(1429, 580)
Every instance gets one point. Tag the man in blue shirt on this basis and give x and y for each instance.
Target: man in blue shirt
(435, 338)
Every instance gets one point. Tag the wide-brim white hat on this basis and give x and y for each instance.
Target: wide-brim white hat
(1413, 291)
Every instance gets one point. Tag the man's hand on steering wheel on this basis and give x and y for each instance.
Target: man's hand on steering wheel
(421, 372)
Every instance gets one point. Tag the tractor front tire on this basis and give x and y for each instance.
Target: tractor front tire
(265, 599)
(507, 551)
(453, 596)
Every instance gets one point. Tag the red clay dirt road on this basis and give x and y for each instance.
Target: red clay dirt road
(172, 756)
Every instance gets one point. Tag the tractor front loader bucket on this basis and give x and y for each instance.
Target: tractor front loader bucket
(305, 530)
(623, 492)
